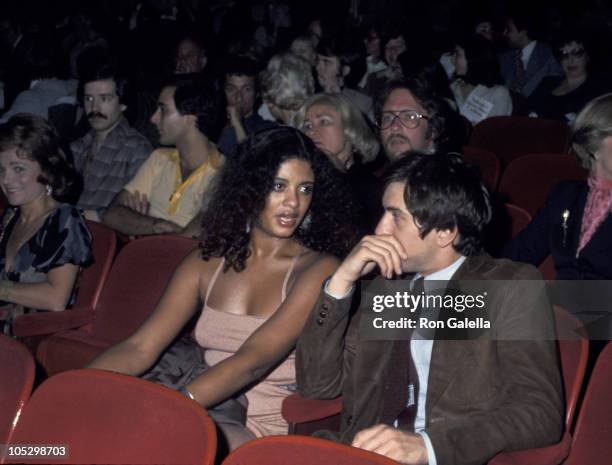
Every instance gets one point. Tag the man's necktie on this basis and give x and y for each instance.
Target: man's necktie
(406, 418)
(519, 72)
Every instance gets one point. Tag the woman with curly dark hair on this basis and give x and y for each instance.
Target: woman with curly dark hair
(279, 214)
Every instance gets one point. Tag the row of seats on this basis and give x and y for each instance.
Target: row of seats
(510, 137)
(132, 288)
(526, 180)
(109, 418)
(117, 294)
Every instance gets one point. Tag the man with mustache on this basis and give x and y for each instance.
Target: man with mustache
(109, 155)
(410, 117)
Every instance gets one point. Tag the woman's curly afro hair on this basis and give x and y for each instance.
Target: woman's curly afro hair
(240, 192)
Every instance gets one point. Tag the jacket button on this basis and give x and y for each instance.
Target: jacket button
(349, 420)
(325, 307)
(323, 313)
(320, 321)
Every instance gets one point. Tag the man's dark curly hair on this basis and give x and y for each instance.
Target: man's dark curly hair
(239, 196)
(193, 96)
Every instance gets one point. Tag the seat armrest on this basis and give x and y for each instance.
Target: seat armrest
(297, 409)
(35, 324)
(550, 455)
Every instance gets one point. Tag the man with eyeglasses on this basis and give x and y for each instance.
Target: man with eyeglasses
(409, 117)
(111, 153)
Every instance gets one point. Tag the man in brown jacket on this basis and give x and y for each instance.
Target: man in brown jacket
(458, 400)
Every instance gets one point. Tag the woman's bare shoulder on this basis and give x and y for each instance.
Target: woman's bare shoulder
(195, 263)
(318, 262)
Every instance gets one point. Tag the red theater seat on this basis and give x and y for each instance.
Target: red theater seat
(592, 442)
(92, 280)
(528, 180)
(305, 416)
(109, 418)
(488, 164)
(302, 450)
(136, 282)
(16, 380)
(509, 137)
(574, 353)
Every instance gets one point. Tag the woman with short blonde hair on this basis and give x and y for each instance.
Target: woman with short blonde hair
(357, 137)
(575, 224)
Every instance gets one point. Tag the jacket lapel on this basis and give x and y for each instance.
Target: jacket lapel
(446, 353)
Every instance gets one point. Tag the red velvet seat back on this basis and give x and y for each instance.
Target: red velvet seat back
(528, 180)
(16, 380)
(136, 282)
(302, 450)
(105, 417)
(592, 443)
(574, 352)
(104, 248)
(509, 137)
(488, 164)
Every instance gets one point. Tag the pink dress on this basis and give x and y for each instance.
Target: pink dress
(221, 334)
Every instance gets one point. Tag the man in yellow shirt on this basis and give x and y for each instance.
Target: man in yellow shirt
(167, 194)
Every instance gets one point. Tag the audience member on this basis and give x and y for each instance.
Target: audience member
(340, 131)
(165, 196)
(286, 83)
(562, 97)
(374, 61)
(575, 223)
(190, 56)
(424, 399)
(339, 69)
(43, 242)
(111, 153)
(409, 116)
(394, 44)
(48, 84)
(275, 218)
(477, 87)
(303, 46)
(529, 60)
(242, 95)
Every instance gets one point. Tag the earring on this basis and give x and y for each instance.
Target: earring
(48, 190)
(248, 226)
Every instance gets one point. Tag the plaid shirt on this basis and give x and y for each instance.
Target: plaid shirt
(115, 164)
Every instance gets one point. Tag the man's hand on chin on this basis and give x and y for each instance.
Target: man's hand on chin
(408, 448)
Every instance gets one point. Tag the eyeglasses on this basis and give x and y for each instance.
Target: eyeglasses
(408, 118)
(578, 53)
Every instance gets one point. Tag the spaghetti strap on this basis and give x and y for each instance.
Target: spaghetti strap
(288, 274)
(213, 279)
